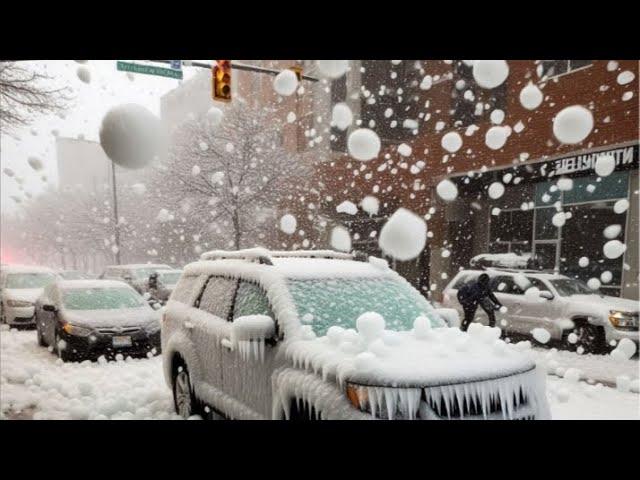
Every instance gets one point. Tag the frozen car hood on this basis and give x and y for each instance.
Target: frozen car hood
(605, 303)
(24, 294)
(433, 357)
(128, 317)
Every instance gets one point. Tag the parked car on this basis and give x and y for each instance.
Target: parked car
(255, 334)
(83, 319)
(167, 280)
(74, 275)
(134, 274)
(556, 303)
(20, 286)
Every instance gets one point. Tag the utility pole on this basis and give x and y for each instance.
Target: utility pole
(115, 212)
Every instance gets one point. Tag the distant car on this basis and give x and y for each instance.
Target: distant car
(310, 335)
(20, 286)
(134, 274)
(167, 280)
(83, 319)
(556, 303)
(74, 275)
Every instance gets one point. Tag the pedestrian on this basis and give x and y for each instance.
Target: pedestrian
(475, 293)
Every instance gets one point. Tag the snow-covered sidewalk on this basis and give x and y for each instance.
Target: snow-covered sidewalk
(35, 384)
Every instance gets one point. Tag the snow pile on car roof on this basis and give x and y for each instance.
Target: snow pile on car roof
(506, 260)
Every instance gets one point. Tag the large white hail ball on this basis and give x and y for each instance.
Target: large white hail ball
(573, 124)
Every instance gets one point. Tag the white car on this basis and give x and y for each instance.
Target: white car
(255, 334)
(20, 287)
(556, 303)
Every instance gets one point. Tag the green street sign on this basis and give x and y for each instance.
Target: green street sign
(149, 70)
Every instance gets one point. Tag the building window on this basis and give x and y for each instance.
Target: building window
(552, 68)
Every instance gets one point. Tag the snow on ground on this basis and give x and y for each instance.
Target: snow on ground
(34, 383)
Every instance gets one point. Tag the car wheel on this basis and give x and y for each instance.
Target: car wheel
(184, 401)
(590, 338)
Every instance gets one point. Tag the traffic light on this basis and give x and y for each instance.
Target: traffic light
(222, 80)
(298, 71)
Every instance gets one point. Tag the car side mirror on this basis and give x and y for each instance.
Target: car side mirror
(546, 294)
(47, 307)
(250, 333)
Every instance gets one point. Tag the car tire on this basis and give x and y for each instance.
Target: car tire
(184, 401)
(590, 337)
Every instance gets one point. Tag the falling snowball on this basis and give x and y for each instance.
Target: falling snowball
(404, 149)
(35, 163)
(565, 184)
(625, 77)
(333, 68)
(606, 276)
(130, 135)
(573, 124)
(214, 116)
(614, 249)
(370, 204)
(363, 144)
(340, 239)
(583, 262)
(605, 165)
(291, 117)
(341, 116)
(497, 116)
(496, 190)
(164, 216)
(84, 74)
(621, 206)
(490, 73)
(612, 231)
(541, 335)
(285, 83)
(594, 284)
(195, 171)
(558, 219)
(288, 224)
(347, 207)
(139, 188)
(447, 190)
(451, 142)
(404, 235)
(496, 137)
(531, 97)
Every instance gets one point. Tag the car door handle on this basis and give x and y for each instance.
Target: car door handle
(226, 343)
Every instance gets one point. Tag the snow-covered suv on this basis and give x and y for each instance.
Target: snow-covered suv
(558, 304)
(255, 334)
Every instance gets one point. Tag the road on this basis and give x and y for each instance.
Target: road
(35, 384)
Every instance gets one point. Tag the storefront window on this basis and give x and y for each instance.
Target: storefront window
(544, 194)
(545, 229)
(594, 188)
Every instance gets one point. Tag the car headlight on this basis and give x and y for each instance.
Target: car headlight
(622, 319)
(19, 303)
(358, 397)
(76, 330)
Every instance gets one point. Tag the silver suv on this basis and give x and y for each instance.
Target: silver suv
(255, 334)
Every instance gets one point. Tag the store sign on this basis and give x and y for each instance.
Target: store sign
(626, 158)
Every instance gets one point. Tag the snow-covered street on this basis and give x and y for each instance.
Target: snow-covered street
(35, 384)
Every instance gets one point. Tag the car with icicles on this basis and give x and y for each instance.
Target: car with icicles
(258, 334)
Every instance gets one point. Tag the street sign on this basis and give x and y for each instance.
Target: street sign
(176, 64)
(149, 70)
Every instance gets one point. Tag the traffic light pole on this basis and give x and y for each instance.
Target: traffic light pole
(237, 66)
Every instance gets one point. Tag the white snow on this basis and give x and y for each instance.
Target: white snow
(341, 116)
(447, 190)
(625, 77)
(531, 97)
(497, 116)
(248, 335)
(347, 207)
(84, 74)
(195, 170)
(333, 68)
(612, 231)
(605, 165)
(288, 224)
(291, 117)
(451, 142)
(8, 172)
(606, 276)
(490, 73)
(404, 235)
(558, 219)
(404, 149)
(573, 124)
(35, 163)
(565, 184)
(626, 347)
(426, 82)
(285, 83)
(340, 239)
(573, 375)
(541, 335)
(612, 65)
(364, 144)
(614, 249)
(370, 204)
(496, 137)
(139, 188)
(583, 262)
(496, 190)
(214, 116)
(621, 206)
(593, 283)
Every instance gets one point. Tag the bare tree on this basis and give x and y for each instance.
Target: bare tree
(23, 94)
(231, 178)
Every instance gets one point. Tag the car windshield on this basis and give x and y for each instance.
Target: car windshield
(323, 303)
(170, 278)
(100, 299)
(29, 280)
(567, 287)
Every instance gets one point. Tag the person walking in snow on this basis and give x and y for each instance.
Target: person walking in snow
(475, 293)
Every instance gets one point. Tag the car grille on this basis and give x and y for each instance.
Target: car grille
(119, 331)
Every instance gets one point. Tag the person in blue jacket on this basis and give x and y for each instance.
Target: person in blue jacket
(475, 293)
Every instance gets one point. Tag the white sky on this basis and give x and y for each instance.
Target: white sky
(108, 88)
